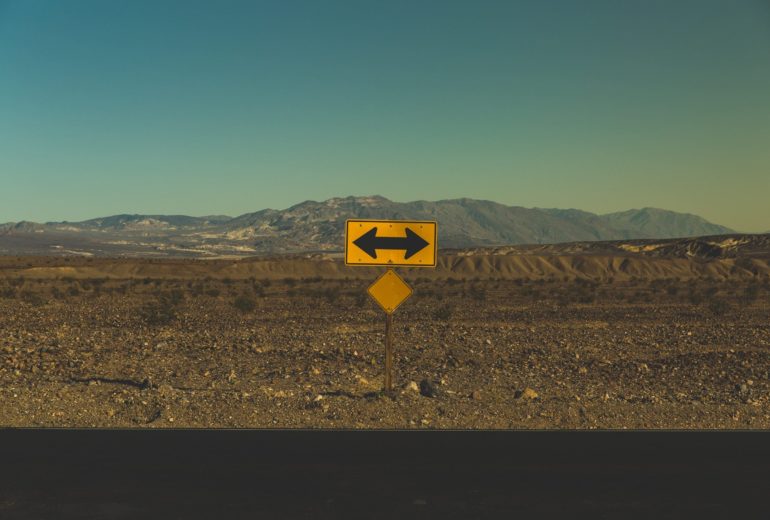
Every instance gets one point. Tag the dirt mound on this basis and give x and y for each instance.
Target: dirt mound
(619, 267)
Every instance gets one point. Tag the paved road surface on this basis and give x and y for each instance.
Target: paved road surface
(114, 474)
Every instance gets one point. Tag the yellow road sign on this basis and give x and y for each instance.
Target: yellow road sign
(390, 242)
(389, 291)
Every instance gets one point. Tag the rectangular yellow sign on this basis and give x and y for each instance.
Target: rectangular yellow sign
(390, 242)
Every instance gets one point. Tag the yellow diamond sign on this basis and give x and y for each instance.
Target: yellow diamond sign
(389, 291)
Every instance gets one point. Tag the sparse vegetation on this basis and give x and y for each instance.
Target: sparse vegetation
(161, 311)
(718, 306)
(32, 298)
(636, 342)
(443, 312)
(245, 303)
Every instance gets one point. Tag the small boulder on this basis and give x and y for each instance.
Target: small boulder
(428, 389)
(411, 386)
(526, 394)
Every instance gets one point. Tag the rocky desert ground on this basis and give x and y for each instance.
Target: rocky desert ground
(577, 338)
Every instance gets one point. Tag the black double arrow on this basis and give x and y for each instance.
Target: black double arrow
(369, 242)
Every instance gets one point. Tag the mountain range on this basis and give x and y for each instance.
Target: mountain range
(319, 227)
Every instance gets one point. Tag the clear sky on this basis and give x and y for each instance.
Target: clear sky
(225, 107)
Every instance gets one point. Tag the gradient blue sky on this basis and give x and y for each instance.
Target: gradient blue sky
(226, 107)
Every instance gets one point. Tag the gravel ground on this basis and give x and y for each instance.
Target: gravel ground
(310, 354)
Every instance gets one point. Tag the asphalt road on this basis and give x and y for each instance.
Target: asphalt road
(192, 474)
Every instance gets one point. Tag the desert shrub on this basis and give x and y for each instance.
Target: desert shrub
(672, 290)
(560, 298)
(361, 298)
(746, 264)
(16, 282)
(9, 293)
(750, 294)
(245, 303)
(331, 294)
(425, 293)
(694, 297)
(213, 292)
(443, 312)
(586, 297)
(73, 290)
(718, 306)
(57, 293)
(158, 312)
(175, 296)
(477, 293)
(32, 298)
(291, 282)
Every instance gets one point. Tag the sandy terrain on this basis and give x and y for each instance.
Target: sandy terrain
(487, 341)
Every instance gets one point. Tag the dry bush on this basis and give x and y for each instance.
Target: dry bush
(158, 312)
(33, 298)
(361, 298)
(477, 293)
(750, 294)
(245, 303)
(162, 310)
(719, 307)
(443, 312)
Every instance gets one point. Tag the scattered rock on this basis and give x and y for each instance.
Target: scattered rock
(526, 394)
(476, 395)
(411, 386)
(428, 389)
(165, 390)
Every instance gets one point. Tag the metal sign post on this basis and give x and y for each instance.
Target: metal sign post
(388, 352)
(389, 291)
(390, 243)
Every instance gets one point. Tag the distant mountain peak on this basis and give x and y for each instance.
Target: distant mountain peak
(318, 226)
